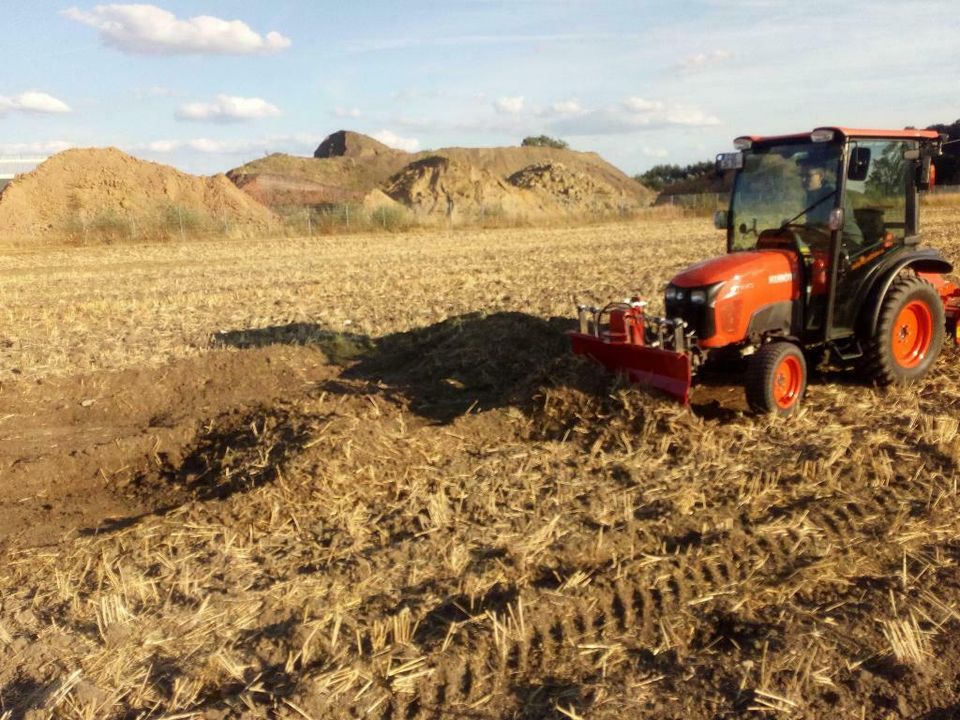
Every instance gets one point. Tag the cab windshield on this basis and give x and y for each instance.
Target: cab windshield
(792, 182)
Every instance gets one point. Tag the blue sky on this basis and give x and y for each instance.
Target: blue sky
(206, 86)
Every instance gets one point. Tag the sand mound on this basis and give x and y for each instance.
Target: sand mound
(325, 181)
(437, 185)
(284, 190)
(441, 186)
(347, 166)
(106, 192)
(556, 184)
(345, 143)
(377, 199)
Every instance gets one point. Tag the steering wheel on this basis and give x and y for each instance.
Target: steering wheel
(820, 242)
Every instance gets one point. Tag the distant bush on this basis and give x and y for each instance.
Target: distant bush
(340, 218)
(544, 141)
(659, 176)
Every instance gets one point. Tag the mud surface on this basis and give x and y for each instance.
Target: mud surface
(76, 452)
(431, 524)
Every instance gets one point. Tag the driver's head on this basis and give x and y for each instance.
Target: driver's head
(811, 174)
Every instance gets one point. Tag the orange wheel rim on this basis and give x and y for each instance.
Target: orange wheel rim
(787, 381)
(912, 334)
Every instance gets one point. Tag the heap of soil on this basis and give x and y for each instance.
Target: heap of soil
(557, 180)
(280, 180)
(347, 166)
(99, 187)
(284, 190)
(345, 143)
(437, 185)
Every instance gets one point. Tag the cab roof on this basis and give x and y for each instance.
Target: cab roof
(847, 132)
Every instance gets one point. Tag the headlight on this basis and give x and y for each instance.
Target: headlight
(698, 297)
(679, 294)
(671, 292)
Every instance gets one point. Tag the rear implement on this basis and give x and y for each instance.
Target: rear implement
(628, 345)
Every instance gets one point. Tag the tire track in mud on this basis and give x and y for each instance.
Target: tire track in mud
(624, 623)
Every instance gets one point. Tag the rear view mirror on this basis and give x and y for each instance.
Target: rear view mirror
(729, 161)
(720, 219)
(859, 164)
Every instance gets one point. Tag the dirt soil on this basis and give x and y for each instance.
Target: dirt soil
(347, 166)
(105, 191)
(362, 476)
(74, 447)
(445, 526)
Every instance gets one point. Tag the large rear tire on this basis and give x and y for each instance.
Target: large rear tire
(776, 379)
(909, 333)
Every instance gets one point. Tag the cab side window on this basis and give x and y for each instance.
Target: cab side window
(879, 200)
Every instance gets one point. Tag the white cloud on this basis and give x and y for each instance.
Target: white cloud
(162, 146)
(347, 112)
(228, 108)
(565, 107)
(640, 105)
(47, 147)
(395, 141)
(654, 152)
(33, 101)
(693, 117)
(298, 143)
(149, 30)
(509, 105)
(702, 61)
(633, 115)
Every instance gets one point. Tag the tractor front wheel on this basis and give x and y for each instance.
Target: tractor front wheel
(776, 378)
(909, 333)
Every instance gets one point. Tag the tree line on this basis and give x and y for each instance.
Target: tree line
(948, 164)
(660, 176)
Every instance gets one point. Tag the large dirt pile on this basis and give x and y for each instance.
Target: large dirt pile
(556, 184)
(441, 186)
(345, 143)
(283, 190)
(437, 185)
(347, 166)
(107, 192)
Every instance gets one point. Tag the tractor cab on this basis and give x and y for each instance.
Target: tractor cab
(845, 201)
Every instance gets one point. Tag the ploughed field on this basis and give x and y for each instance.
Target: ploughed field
(362, 477)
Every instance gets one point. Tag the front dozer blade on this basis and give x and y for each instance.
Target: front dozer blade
(661, 369)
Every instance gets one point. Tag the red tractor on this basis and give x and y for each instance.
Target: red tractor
(823, 257)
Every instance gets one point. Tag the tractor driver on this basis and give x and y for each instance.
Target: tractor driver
(819, 193)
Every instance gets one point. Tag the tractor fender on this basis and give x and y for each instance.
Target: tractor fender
(776, 318)
(875, 287)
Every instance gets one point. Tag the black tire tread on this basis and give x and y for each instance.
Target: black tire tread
(760, 372)
(878, 363)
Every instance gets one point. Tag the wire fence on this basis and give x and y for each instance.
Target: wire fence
(709, 202)
(705, 202)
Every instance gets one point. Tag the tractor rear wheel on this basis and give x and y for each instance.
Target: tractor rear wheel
(909, 333)
(776, 378)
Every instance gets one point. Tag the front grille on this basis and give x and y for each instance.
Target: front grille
(699, 318)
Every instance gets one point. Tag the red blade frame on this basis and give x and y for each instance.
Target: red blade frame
(664, 370)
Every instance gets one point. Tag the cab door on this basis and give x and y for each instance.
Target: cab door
(878, 183)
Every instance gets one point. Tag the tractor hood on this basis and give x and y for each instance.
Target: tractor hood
(747, 284)
(751, 269)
